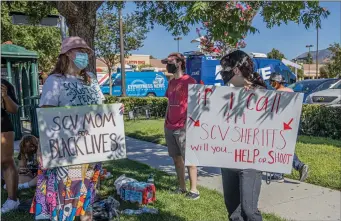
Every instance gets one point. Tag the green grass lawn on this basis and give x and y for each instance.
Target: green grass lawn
(171, 207)
(321, 154)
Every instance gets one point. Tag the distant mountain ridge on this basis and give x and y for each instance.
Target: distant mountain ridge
(323, 56)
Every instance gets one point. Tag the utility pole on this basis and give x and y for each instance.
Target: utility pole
(178, 39)
(309, 46)
(123, 70)
(317, 51)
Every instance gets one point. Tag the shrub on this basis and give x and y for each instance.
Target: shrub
(316, 120)
(322, 121)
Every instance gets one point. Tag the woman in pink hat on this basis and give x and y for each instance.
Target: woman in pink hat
(66, 192)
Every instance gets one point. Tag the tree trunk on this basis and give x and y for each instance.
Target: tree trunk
(81, 21)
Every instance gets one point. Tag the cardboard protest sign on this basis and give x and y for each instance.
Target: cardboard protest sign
(83, 134)
(230, 127)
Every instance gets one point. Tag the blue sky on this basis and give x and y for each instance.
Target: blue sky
(290, 39)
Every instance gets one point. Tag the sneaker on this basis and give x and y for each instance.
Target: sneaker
(192, 195)
(179, 191)
(21, 186)
(304, 173)
(10, 205)
(278, 179)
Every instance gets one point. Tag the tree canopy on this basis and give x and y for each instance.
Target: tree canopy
(226, 23)
(107, 37)
(44, 40)
(275, 54)
(333, 67)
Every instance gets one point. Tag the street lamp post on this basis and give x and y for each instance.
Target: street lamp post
(309, 46)
(178, 39)
(317, 51)
(19, 18)
(123, 71)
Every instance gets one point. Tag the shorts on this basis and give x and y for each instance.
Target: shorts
(6, 124)
(176, 142)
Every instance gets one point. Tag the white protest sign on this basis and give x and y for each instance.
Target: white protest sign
(234, 128)
(81, 134)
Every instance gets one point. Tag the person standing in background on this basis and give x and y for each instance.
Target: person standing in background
(277, 81)
(175, 123)
(9, 104)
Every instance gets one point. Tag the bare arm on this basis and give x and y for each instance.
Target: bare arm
(10, 105)
(166, 111)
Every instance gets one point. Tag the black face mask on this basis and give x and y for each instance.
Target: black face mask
(227, 76)
(172, 68)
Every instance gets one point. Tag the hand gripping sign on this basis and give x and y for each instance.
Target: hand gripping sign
(83, 134)
(235, 128)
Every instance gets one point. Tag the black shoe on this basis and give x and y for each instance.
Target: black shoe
(179, 191)
(304, 173)
(193, 196)
(278, 179)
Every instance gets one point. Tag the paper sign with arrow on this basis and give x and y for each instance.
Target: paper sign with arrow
(262, 135)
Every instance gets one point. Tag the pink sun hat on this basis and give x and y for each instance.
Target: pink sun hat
(72, 43)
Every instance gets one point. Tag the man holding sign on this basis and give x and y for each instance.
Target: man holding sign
(244, 130)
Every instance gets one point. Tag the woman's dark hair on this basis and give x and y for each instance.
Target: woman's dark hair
(62, 67)
(239, 59)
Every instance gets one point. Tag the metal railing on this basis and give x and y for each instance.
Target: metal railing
(142, 112)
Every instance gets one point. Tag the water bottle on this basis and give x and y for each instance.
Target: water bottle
(132, 212)
(150, 178)
(150, 210)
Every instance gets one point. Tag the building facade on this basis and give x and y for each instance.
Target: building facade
(309, 71)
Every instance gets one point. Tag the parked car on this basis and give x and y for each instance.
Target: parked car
(310, 86)
(138, 84)
(330, 97)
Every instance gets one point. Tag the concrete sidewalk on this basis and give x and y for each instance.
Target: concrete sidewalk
(291, 200)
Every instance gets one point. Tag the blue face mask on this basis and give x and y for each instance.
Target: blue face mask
(81, 60)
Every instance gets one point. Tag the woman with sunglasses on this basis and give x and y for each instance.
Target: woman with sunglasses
(241, 187)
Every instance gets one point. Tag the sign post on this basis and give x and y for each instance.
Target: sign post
(234, 128)
(78, 135)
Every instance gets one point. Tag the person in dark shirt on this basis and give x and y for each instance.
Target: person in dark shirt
(241, 186)
(9, 104)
